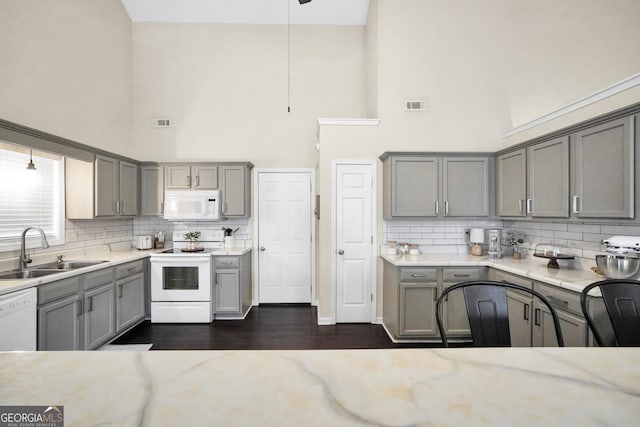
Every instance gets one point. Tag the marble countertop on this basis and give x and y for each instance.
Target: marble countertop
(444, 387)
(574, 279)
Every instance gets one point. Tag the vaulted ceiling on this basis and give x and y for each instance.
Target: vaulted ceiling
(261, 12)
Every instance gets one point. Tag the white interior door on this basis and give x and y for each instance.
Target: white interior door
(284, 237)
(354, 242)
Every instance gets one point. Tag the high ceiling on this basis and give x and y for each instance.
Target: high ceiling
(267, 12)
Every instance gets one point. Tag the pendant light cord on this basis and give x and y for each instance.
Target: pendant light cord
(288, 56)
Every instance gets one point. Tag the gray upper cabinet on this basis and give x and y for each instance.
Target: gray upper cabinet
(511, 177)
(128, 189)
(235, 183)
(548, 179)
(105, 188)
(419, 185)
(106, 180)
(465, 186)
(604, 170)
(191, 177)
(151, 190)
(412, 184)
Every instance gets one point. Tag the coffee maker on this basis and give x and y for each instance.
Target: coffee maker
(495, 243)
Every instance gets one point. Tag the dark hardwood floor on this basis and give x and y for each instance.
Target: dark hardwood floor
(267, 327)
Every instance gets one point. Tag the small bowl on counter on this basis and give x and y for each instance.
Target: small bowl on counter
(618, 266)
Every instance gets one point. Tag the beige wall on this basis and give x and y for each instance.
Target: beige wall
(372, 60)
(65, 68)
(485, 67)
(225, 87)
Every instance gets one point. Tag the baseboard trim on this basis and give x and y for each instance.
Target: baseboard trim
(325, 321)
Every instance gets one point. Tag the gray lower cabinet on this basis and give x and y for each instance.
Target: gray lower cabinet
(409, 301)
(232, 286)
(530, 321)
(572, 322)
(603, 170)
(151, 190)
(60, 315)
(89, 310)
(98, 305)
(520, 307)
(130, 295)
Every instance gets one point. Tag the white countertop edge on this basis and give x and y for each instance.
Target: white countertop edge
(527, 267)
(237, 251)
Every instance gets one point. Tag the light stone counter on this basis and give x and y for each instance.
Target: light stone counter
(443, 387)
(573, 279)
(235, 251)
(102, 253)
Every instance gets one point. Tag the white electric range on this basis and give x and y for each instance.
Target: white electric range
(181, 280)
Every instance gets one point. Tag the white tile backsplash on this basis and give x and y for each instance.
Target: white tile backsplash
(151, 225)
(582, 240)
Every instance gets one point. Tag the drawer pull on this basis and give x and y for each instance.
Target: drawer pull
(418, 275)
(526, 312)
(462, 275)
(129, 270)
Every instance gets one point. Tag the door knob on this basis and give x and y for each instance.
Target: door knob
(261, 248)
(340, 252)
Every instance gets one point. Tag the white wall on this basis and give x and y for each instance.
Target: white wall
(225, 87)
(65, 68)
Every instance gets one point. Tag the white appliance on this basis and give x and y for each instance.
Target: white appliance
(18, 320)
(182, 280)
(144, 242)
(192, 205)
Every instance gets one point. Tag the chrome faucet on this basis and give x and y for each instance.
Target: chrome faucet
(24, 258)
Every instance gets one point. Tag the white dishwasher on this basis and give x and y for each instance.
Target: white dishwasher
(18, 320)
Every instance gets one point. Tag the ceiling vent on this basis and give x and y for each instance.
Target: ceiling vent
(160, 123)
(415, 105)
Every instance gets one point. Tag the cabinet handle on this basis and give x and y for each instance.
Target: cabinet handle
(79, 308)
(120, 291)
(446, 207)
(520, 202)
(189, 178)
(197, 180)
(129, 270)
(417, 275)
(162, 207)
(461, 275)
(529, 206)
(437, 208)
(557, 302)
(536, 317)
(90, 305)
(435, 295)
(576, 204)
(117, 206)
(124, 206)
(525, 315)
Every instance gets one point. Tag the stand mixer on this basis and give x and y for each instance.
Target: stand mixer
(622, 260)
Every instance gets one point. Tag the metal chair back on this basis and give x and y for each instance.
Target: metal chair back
(622, 301)
(488, 312)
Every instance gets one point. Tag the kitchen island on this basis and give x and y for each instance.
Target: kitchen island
(444, 387)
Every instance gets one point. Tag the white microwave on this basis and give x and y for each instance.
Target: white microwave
(192, 205)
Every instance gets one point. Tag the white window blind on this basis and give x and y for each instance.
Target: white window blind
(30, 198)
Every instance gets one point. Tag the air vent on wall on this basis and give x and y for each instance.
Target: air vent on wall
(160, 123)
(415, 105)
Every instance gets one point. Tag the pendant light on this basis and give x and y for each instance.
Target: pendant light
(31, 166)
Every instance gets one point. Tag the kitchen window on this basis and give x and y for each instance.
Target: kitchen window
(30, 197)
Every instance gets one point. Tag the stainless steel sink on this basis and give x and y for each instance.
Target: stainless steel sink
(66, 265)
(27, 274)
(46, 269)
